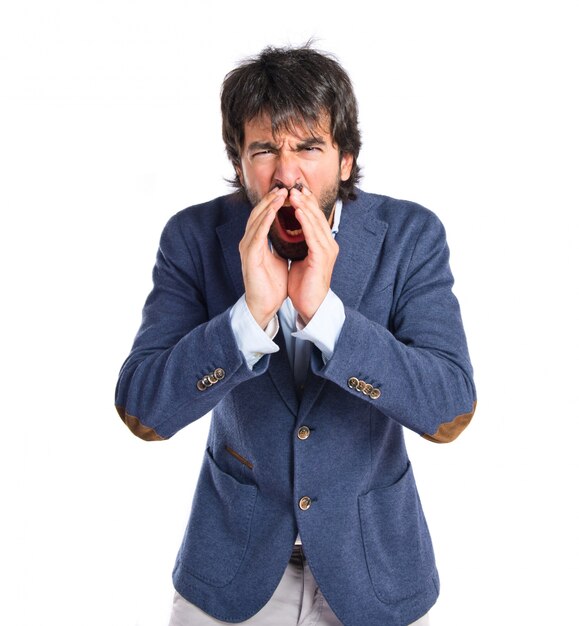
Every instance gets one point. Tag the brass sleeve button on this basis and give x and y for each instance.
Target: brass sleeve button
(304, 433)
(210, 379)
(366, 388)
(305, 503)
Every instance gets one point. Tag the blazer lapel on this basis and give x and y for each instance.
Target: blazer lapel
(230, 234)
(280, 372)
(361, 237)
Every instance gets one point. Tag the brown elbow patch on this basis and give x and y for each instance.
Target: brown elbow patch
(449, 431)
(136, 427)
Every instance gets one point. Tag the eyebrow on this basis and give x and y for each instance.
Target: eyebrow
(268, 145)
(261, 145)
(309, 142)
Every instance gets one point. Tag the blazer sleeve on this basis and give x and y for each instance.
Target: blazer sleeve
(417, 371)
(182, 363)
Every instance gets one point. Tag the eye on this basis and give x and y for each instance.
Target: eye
(261, 154)
(311, 152)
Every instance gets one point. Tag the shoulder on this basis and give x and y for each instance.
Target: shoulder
(404, 219)
(202, 222)
(194, 232)
(210, 215)
(393, 210)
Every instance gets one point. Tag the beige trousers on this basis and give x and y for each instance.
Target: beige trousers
(297, 601)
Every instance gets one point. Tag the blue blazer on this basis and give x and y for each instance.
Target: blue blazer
(331, 466)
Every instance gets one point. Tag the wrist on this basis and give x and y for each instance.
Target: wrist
(305, 314)
(262, 319)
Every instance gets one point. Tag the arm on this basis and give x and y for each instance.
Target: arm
(160, 388)
(419, 366)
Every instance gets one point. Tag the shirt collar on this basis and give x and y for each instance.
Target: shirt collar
(337, 217)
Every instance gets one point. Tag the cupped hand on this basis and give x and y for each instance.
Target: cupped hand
(309, 280)
(265, 275)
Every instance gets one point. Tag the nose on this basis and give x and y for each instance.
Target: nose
(287, 171)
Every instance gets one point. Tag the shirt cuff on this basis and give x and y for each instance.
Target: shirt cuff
(252, 340)
(325, 326)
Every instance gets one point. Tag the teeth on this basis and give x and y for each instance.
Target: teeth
(294, 233)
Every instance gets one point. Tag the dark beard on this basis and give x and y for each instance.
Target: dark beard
(297, 251)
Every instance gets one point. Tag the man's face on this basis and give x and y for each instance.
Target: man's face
(306, 158)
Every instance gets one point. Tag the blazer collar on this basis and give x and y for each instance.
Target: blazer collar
(360, 238)
(230, 233)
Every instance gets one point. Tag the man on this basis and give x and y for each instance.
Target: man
(316, 321)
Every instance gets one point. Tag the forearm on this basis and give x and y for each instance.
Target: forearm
(162, 389)
(422, 389)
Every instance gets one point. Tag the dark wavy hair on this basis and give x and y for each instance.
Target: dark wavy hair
(293, 86)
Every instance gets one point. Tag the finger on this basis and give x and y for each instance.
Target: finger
(265, 210)
(315, 233)
(306, 200)
(274, 198)
(255, 240)
(316, 229)
(262, 226)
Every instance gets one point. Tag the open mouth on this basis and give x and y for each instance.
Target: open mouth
(288, 222)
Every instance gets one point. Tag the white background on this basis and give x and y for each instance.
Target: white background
(110, 124)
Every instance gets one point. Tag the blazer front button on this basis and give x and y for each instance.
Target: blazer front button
(305, 503)
(304, 433)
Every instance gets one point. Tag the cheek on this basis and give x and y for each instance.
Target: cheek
(325, 175)
(258, 175)
(316, 173)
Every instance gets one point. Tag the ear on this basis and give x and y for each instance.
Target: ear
(239, 173)
(346, 163)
